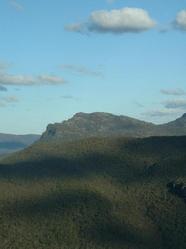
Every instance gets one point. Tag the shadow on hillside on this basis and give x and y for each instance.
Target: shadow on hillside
(93, 164)
(89, 211)
(157, 146)
(137, 160)
(61, 168)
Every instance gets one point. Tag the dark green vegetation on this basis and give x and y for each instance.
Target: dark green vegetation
(11, 143)
(100, 124)
(97, 193)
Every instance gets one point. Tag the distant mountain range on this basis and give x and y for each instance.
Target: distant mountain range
(99, 124)
(11, 143)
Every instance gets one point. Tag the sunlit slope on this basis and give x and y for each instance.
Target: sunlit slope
(95, 193)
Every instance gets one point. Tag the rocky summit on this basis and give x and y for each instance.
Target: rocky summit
(84, 125)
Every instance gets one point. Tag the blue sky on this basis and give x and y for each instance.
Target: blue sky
(62, 57)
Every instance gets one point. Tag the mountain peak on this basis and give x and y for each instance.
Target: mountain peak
(93, 114)
(79, 115)
(97, 124)
(102, 124)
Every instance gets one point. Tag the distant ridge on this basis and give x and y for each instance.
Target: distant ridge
(10, 143)
(84, 125)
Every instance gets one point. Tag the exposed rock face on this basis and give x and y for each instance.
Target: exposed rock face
(83, 125)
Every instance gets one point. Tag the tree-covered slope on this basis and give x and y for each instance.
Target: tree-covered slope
(97, 193)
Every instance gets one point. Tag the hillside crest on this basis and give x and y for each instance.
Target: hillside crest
(83, 125)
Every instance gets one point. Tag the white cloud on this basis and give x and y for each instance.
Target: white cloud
(116, 21)
(174, 92)
(120, 21)
(180, 22)
(81, 70)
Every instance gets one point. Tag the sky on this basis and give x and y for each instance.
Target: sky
(57, 58)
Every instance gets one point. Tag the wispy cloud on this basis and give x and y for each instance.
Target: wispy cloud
(77, 27)
(111, 1)
(138, 104)
(5, 101)
(67, 97)
(180, 21)
(7, 79)
(26, 80)
(16, 5)
(165, 28)
(173, 92)
(10, 99)
(50, 79)
(4, 66)
(171, 107)
(160, 113)
(116, 21)
(2, 104)
(175, 104)
(3, 89)
(81, 70)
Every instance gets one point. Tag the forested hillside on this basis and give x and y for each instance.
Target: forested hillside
(97, 193)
